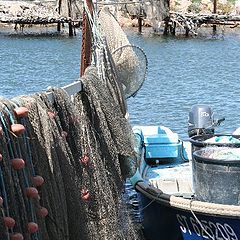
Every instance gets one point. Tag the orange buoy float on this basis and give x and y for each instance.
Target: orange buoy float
(16, 236)
(21, 111)
(51, 114)
(32, 227)
(85, 195)
(38, 181)
(17, 163)
(42, 212)
(64, 134)
(17, 128)
(9, 222)
(85, 159)
(32, 192)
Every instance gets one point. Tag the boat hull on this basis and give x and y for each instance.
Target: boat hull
(162, 222)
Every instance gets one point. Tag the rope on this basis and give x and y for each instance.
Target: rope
(198, 221)
(152, 201)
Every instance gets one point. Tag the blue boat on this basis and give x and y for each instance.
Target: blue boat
(184, 193)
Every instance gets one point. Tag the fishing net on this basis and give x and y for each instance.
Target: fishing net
(130, 61)
(64, 159)
(78, 149)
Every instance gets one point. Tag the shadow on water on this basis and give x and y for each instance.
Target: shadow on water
(36, 32)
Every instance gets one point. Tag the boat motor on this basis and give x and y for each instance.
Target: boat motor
(201, 120)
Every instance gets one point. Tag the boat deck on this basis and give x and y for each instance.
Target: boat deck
(172, 178)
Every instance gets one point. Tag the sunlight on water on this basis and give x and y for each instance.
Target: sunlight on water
(181, 72)
(184, 72)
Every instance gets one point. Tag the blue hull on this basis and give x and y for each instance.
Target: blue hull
(166, 223)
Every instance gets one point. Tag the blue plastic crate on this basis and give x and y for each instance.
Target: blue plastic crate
(159, 141)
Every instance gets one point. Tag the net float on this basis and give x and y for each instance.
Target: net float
(17, 163)
(16, 236)
(1, 157)
(42, 212)
(1, 131)
(51, 114)
(9, 222)
(32, 192)
(38, 181)
(32, 227)
(21, 111)
(1, 201)
(85, 159)
(17, 128)
(85, 195)
(64, 134)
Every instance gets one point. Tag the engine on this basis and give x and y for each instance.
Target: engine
(200, 120)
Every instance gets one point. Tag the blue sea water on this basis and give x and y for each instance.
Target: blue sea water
(181, 72)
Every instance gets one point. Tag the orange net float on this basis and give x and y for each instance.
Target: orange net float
(16, 236)
(51, 114)
(17, 129)
(21, 112)
(9, 222)
(32, 227)
(17, 163)
(42, 212)
(38, 181)
(32, 192)
(85, 195)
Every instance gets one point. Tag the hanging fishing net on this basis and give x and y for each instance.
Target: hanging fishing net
(79, 150)
(130, 61)
(64, 160)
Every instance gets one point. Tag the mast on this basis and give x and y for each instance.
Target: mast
(86, 40)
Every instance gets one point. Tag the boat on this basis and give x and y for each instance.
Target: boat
(183, 192)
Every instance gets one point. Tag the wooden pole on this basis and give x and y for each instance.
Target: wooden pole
(214, 11)
(140, 24)
(166, 27)
(86, 40)
(140, 20)
(59, 11)
(70, 27)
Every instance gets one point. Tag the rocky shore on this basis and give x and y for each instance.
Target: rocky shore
(152, 12)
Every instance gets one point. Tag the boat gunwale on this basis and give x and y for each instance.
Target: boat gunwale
(195, 206)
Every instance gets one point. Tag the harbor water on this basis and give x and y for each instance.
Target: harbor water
(181, 72)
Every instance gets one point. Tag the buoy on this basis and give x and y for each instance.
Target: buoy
(64, 134)
(1, 201)
(17, 163)
(38, 181)
(16, 236)
(1, 157)
(85, 159)
(17, 128)
(32, 227)
(51, 114)
(9, 222)
(42, 212)
(32, 192)
(85, 195)
(21, 111)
